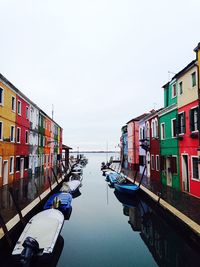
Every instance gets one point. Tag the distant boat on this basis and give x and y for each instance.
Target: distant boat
(127, 188)
(71, 186)
(60, 200)
(39, 236)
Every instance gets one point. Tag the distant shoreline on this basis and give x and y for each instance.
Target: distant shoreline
(82, 152)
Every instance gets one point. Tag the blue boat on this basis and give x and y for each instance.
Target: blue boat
(60, 200)
(112, 178)
(127, 188)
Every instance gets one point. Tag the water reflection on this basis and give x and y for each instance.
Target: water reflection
(166, 246)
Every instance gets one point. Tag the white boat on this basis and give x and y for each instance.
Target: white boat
(70, 186)
(39, 235)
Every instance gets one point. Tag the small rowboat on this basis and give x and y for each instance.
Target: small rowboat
(70, 186)
(60, 200)
(39, 236)
(127, 188)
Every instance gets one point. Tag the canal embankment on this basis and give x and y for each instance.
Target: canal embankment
(180, 206)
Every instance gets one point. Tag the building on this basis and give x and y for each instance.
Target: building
(133, 142)
(187, 128)
(169, 151)
(124, 147)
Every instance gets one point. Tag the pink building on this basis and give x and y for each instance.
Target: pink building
(133, 142)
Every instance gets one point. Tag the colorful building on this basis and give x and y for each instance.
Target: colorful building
(30, 141)
(188, 128)
(7, 131)
(169, 150)
(124, 146)
(133, 142)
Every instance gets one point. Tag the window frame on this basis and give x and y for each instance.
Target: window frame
(196, 179)
(11, 165)
(162, 131)
(12, 138)
(18, 135)
(180, 86)
(173, 128)
(2, 96)
(26, 137)
(157, 162)
(1, 166)
(19, 105)
(13, 103)
(1, 132)
(193, 75)
(174, 87)
(153, 162)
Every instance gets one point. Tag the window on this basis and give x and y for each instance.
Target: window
(148, 130)
(173, 127)
(141, 133)
(12, 133)
(13, 103)
(173, 90)
(11, 165)
(181, 88)
(26, 137)
(19, 107)
(162, 131)
(27, 113)
(1, 130)
(152, 162)
(156, 127)
(18, 135)
(194, 119)
(1, 96)
(157, 163)
(1, 166)
(195, 172)
(17, 164)
(26, 162)
(181, 123)
(194, 80)
(142, 160)
(173, 164)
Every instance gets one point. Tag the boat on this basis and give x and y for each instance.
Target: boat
(71, 186)
(127, 188)
(39, 236)
(112, 178)
(127, 199)
(60, 200)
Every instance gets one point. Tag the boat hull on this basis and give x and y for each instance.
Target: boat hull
(64, 199)
(127, 188)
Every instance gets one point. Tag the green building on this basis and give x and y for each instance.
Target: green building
(169, 151)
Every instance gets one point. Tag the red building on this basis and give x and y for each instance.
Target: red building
(22, 137)
(187, 128)
(153, 153)
(133, 142)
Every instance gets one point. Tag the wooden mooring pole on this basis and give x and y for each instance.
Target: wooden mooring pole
(5, 230)
(16, 205)
(55, 176)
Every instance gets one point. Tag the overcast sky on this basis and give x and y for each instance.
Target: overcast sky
(99, 62)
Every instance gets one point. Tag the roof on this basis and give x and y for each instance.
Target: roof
(183, 71)
(66, 147)
(138, 118)
(197, 48)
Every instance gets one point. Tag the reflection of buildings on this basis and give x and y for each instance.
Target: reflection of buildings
(165, 244)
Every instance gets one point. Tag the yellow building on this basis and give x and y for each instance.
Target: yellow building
(7, 131)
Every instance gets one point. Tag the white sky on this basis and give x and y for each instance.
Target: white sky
(99, 62)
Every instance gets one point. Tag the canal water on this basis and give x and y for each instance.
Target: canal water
(108, 230)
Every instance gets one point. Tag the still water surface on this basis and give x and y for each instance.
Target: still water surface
(103, 232)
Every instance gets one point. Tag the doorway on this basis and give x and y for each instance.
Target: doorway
(168, 171)
(21, 167)
(5, 172)
(185, 173)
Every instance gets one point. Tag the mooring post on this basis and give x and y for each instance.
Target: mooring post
(49, 180)
(37, 190)
(55, 176)
(5, 230)
(159, 196)
(16, 205)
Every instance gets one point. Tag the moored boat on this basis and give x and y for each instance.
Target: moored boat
(39, 236)
(60, 200)
(71, 186)
(127, 188)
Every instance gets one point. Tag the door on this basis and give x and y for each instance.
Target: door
(148, 164)
(185, 173)
(22, 168)
(5, 172)
(168, 171)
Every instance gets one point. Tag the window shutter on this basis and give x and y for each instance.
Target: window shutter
(198, 118)
(177, 124)
(191, 113)
(183, 122)
(173, 164)
(162, 158)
